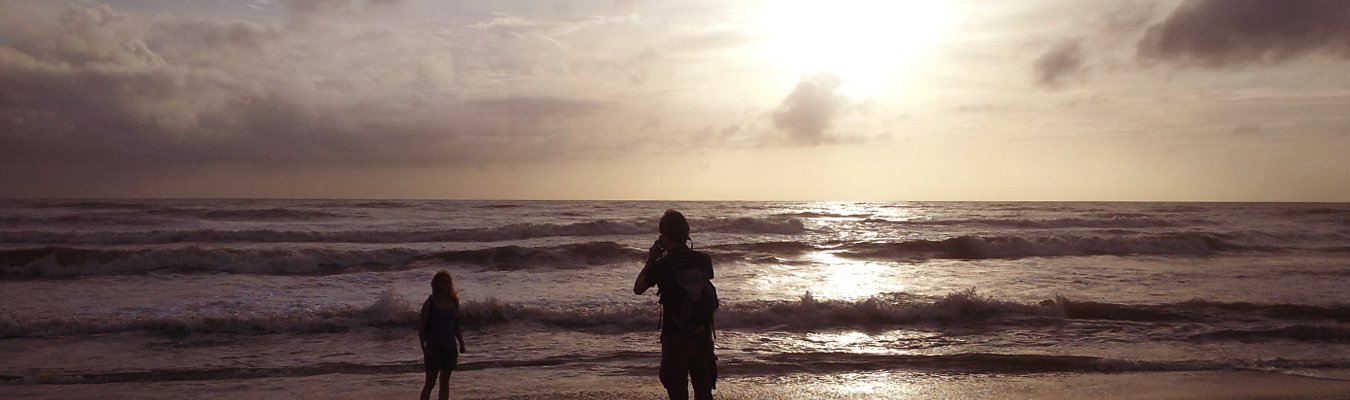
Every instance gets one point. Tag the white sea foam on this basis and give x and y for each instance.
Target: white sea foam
(390, 310)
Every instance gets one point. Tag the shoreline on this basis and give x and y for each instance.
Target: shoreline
(551, 383)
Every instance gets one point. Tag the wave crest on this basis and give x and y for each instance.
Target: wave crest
(518, 231)
(1107, 221)
(66, 262)
(49, 262)
(965, 308)
(982, 247)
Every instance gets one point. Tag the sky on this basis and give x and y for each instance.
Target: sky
(1218, 100)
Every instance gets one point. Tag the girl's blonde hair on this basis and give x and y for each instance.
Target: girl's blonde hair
(435, 289)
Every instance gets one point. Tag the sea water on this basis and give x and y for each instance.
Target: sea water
(140, 292)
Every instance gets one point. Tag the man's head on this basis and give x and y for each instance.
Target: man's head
(674, 227)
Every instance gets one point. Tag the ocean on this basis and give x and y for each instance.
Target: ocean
(135, 297)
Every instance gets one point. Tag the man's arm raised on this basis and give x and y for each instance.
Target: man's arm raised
(640, 285)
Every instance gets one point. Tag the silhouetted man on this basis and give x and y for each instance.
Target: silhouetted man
(688, 300)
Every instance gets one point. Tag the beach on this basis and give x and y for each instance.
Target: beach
(1232, 385)
(244, 299)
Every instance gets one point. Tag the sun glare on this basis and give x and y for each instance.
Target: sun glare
(846, 279)
(867, 44)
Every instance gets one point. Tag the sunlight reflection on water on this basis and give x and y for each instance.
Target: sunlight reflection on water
(857, 342)
(840, 278)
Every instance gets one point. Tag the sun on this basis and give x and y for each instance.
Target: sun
(867, 44)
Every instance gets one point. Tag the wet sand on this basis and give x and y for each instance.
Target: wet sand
(546, 384)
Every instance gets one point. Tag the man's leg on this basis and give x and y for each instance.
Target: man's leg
(675, 367)
(703, 370)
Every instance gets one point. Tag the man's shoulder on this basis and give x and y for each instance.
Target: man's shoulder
(702, 257)
(691, 254)
(692, 258)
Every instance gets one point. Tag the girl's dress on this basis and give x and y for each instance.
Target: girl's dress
(442, 351)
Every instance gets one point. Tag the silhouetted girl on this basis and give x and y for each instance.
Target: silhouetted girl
(439, 334)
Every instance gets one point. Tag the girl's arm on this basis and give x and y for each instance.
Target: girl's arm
(422, 327)
(459, 332)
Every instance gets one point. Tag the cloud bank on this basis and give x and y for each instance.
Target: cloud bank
(330, 86)
(1231, 33)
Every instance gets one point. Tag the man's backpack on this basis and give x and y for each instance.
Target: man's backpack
(693, 312)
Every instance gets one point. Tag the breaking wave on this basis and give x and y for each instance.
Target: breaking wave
(57, 261)
(1008, 247)
(966, 309)
(768, 225)
(1201, 310)
(67, 262)
(1308, 333)
(981, 247)
(1007, 363)
(1108, 221)
(565, 256)
(493, 234)
(49, 262)
(517, 231)
(388, 311)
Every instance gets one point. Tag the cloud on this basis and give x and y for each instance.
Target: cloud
(1247, 130)
(1060, 63)
(303, 13)
(141, 93)
(517, 25)
(190, 40)
(529, 112)
(1231, 33)
(84, 36)
(100, 89)
(534, 109)
(1128, 17)
(809, 111)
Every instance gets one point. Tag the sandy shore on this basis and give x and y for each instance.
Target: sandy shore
(544, 384)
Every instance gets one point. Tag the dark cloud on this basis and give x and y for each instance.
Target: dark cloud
(102, 90)
(1228, 33)
(533, 110)
(1059, 64)
(808, 112)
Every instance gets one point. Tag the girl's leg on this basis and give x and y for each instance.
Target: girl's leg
(431, 383)
(445, 385)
